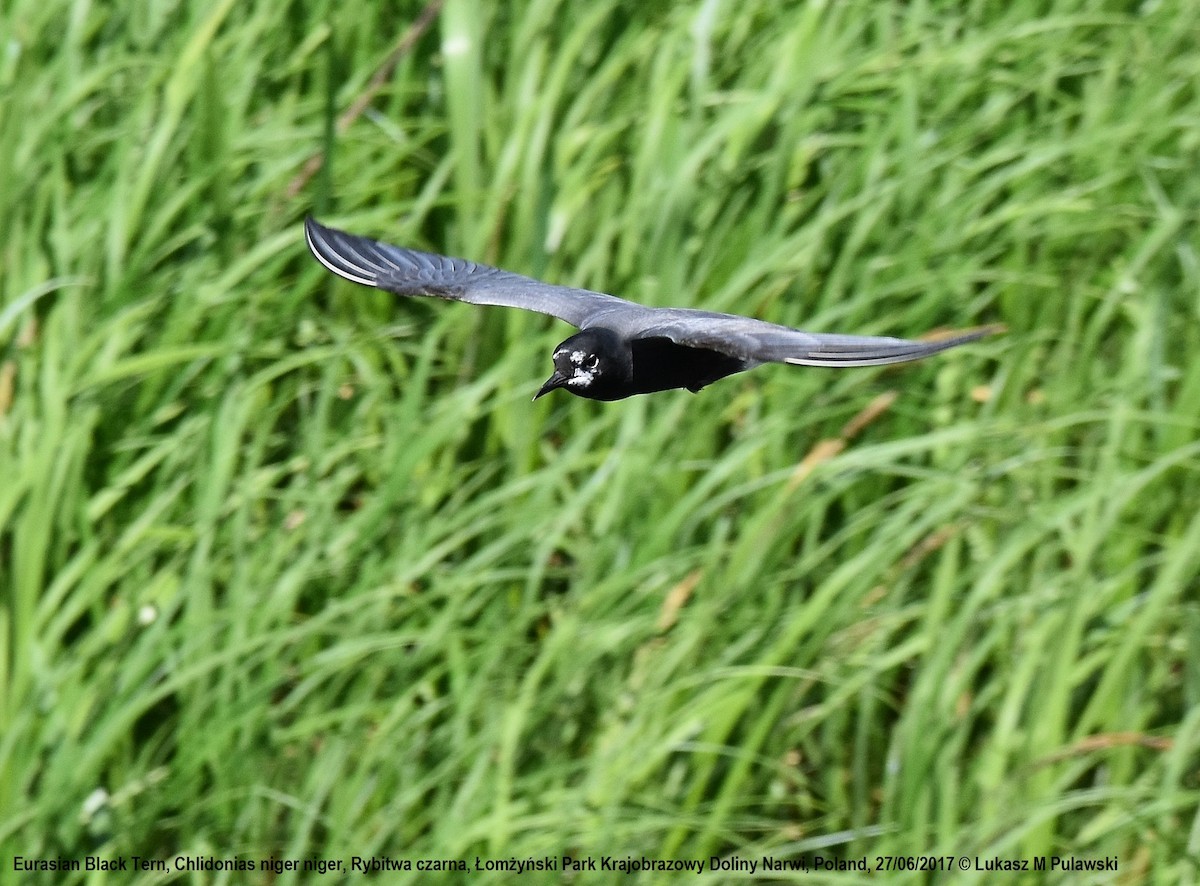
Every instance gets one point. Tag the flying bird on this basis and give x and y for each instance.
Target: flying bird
(622, 348)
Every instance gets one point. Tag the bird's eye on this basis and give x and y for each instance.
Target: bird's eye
(593, 362)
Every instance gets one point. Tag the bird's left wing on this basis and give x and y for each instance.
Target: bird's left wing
(756, 340)
(409, 272)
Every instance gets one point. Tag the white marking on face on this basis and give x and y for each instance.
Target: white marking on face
(582, 378)
(577, 357)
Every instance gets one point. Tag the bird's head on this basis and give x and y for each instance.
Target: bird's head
(595, 363)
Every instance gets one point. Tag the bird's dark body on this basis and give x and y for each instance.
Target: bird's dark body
(641, 366)
(661, 365)
(622, 348)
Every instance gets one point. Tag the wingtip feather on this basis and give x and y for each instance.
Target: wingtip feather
(334, 248)
(902, 351)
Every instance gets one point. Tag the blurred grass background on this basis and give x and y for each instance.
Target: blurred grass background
(292, 568)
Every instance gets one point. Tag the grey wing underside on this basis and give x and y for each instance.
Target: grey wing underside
(761, 342)
(412, 273)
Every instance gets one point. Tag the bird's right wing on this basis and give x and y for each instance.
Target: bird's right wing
(412, 273)
(762, 342)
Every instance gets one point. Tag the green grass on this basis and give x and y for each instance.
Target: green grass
(293, 569)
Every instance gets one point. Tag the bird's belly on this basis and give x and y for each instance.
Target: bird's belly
(661, 365)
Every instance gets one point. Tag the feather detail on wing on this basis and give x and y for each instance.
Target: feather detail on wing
(409, 272)
(756, 340)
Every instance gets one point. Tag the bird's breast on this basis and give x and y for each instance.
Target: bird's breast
(660, 364)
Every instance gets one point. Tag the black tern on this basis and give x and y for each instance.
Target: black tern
(622, 348)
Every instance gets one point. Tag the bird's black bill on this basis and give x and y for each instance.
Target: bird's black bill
(555, 381)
